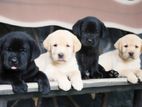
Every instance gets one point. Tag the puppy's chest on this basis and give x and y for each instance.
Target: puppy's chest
(134, 65)
(88, 59)
(65, 68)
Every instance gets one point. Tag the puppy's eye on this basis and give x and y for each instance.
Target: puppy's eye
(55, 45)
(22, 50)
(126, 46)
(9, 49)
(136, 46)
(67, 45)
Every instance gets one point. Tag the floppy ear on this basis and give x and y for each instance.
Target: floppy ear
(46, 43)
(103, 30)
(77, 28)
(76, 44)
(117, 44)
(2, 42)
(141, 45)
(35, 50)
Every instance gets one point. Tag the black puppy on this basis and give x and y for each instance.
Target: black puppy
(89, 31)
(17, 53)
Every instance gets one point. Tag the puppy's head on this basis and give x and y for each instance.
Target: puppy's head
(89, 30)
(129, 46)
(62, 45)
(18, 49)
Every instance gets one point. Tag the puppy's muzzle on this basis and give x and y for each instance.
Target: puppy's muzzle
(13, 63)
(131, 54)
(90, 41)
(60, 55)
(14, 60)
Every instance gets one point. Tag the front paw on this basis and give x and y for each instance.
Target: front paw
(44, 87)
(132, 79)
(19, 88)
(77, 85)
(139, 75)
(140, 78)
(96, 74)
(85, 77)
(65, 85)
(113, 74)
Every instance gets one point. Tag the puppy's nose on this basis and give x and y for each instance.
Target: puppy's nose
(89, 40)
(131, 53)
(60, 55)
(14, 60)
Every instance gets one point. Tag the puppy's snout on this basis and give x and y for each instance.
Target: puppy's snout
(131, 53)
(60, 55)
(14, 60)
(90, 40)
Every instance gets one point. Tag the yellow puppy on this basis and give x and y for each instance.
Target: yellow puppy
(59, 63)
(125, 59)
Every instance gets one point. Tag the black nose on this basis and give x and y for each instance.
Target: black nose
(90, 40)
(131, 53)
(14, 60)
(60, 55)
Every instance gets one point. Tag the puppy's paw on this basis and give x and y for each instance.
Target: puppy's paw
(44, 88)
(96, 74)
(19, 88)
(65, 85)
(140, 78)
(139, 75)
(113, 74)
(132, 79)
(84, 77)
(77, 85)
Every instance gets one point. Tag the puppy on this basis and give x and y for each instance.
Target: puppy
(125, 59)
(17, 53)
(89, 31)
(59, 63)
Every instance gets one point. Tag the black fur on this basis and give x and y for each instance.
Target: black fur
(89, 30)
(17, 53)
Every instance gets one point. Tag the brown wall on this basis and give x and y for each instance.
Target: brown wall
(71, 10)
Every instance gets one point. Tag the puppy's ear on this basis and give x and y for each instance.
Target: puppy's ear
(103, 30)
(117, 44)
(77, 28)
(35, 50)
(46, 43)
(76, 44)
(141, 46)
(2, 42)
